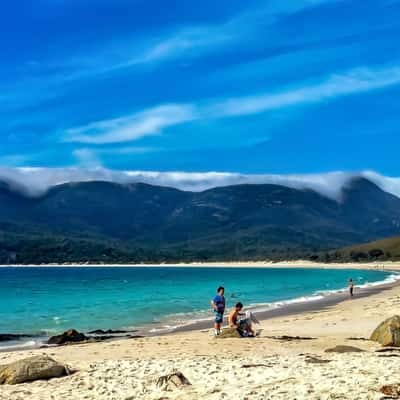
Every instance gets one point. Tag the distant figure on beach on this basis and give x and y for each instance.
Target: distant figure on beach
(219, 309)
(243, 322)
(351, 287)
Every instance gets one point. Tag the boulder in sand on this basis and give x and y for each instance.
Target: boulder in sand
(228, 333)
(173, 381)
(388, 332)
(31, 369)
(71, 336)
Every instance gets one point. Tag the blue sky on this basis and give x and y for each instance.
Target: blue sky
(279, 86)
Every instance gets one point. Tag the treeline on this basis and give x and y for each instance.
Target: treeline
(19, 248)
(354, 256)
(45, 248)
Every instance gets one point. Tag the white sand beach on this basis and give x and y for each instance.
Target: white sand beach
(382, 265)
(267, 367)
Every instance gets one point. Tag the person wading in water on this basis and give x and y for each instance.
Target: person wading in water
(351, 287)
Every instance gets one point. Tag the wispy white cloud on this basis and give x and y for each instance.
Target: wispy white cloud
(183, 44)
(36, 181)
(132, 127)
(154, 120)
(354, 81)
(193, 40)
(129, 150)
(197, 40)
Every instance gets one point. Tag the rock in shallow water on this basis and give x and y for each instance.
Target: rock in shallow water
(31, 369)
(6, 337)
(71, 336)
(388, 332)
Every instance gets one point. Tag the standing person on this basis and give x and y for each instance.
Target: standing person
(218, 303)
(351, 287)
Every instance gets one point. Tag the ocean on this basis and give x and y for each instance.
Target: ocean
(47, 301)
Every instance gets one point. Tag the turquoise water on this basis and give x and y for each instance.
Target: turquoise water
(49, 300)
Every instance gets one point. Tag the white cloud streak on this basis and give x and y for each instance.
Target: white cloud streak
(199, 40)
(132, 127)
(187, 42)
(183, 44)
(153, 121)
(195, 41)
(327, 184)
(352, 82)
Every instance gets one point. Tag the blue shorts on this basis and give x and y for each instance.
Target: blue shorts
(219, 317)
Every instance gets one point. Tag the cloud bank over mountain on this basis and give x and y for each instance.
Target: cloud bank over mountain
(36, 181)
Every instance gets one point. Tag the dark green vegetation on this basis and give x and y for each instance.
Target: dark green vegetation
(107, 222)
(379, 250)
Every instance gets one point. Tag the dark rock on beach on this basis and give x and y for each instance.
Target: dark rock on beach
(31, 369)
(169, 382)
(286, 338)
(361, 339)
(108, 332)
(6, 337)
(344, 349)
(316, 360)
(101, 338)
(70, 336)
(99, 335)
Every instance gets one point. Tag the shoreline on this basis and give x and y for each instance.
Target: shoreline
(374, 265)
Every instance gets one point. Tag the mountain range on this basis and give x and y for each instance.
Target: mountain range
(109, 222)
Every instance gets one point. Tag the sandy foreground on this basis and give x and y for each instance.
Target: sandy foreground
(261, 368)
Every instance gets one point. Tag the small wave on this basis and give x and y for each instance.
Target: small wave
(261, 307)
(392, 278)
(303, 299)
(30, 344)
(165, 329)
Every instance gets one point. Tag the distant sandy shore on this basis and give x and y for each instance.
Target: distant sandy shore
(255, 369)
(384, 265)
